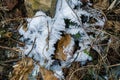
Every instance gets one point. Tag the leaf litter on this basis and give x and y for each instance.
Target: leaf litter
(56, 44)
(44, 27)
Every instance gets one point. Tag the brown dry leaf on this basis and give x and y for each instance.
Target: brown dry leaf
(47, 74)
(22, 69)
(62, 43)
(101, 4)
(44, 5)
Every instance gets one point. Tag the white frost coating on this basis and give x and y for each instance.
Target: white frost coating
(72, 30)
(82, 57)
(38, 28)
(65, 11)
(57, 71)
(35, 71)
(45, 32)
(74, 2)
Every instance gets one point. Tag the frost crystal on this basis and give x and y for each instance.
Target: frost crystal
(44, 32)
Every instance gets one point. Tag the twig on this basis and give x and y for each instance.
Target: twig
(13, 60)
(74, 12)
(78, 53)
(47, 40)
(114, 65)
(106, 33)
(32, 47)
(90, 66)
(78, 19)
(22, 18)
(12, 49)
(4, 8)
(21, 43)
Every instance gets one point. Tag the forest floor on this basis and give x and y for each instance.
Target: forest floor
(105, 65)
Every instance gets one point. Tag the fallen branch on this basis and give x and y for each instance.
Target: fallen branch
(12, 49)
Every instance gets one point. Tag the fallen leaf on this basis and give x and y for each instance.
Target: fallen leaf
(47, 74)
(62, 43)
(45, 5)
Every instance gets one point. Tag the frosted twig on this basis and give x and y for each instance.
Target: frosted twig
(47, 40)
(80, 22)
(32, 47)
(77, 55)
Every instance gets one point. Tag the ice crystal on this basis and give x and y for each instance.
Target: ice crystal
(45, 31)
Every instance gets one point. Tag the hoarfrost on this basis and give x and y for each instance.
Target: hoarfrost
(45, 32)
